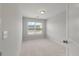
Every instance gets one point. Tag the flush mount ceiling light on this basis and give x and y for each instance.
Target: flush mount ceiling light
(42, 11)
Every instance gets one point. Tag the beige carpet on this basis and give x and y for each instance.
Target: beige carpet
(42, 47)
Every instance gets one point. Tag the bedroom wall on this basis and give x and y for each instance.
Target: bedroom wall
(11, 22)
(0, 28)
(74, 29)
(56, 27)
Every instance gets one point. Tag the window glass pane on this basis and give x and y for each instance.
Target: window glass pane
(34, 28)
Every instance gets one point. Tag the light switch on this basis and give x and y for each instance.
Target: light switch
(5, 34)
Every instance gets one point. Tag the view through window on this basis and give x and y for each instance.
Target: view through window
(34, 28)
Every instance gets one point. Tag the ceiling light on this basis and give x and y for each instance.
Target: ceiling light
(42, 12)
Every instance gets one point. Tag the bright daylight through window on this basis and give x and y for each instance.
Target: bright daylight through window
(34, 28)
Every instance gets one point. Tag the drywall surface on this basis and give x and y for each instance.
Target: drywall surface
(74, 29)
(11, 22)
(56, 27)
(0, 28)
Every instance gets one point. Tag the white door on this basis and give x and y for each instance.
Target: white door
(73, 45)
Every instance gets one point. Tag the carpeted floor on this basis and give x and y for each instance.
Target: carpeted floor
(42, 47)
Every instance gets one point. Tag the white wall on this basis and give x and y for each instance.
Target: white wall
(0, 28)
(56, 27)
(74, 29)
(11, 21)
(74, 22)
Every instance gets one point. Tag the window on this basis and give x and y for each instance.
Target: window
(34, 28)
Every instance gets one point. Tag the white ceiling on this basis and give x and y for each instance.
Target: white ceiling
(32, 10)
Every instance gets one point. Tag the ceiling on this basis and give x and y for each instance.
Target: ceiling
(32, 10)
